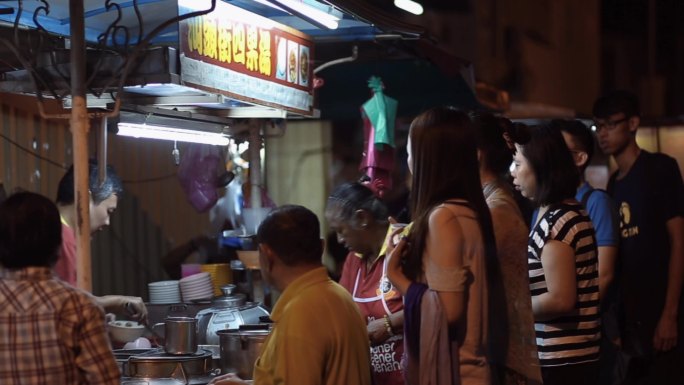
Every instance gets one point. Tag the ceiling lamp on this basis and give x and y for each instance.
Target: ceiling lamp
(149, 131)
(307, 12)
(410, 6)
(156, 123)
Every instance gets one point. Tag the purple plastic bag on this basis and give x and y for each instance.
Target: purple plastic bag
(198, 174)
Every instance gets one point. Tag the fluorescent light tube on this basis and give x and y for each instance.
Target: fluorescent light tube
(326, 19)
(409, 6)
(170, 133)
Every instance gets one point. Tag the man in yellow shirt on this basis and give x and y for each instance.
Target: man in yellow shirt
(318, 335)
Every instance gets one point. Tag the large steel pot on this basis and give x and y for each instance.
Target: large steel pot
(240, 349)
(122, 356)
(165, 366)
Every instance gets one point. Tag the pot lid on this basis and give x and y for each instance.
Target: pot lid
(193, 380)
(150, 381)
(159, 355)
(246, 333)
(255, 330)
(229, 298)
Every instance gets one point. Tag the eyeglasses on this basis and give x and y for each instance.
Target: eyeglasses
(609, 124)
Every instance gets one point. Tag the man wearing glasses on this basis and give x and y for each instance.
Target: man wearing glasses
(648, 190)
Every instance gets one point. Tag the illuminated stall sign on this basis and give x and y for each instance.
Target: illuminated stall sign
(246, 57)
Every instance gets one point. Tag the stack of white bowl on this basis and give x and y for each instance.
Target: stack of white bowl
(163, 292)
(197, 286)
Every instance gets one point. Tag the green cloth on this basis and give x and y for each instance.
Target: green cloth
(381, 110)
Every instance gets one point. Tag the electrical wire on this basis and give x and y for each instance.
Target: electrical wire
(28, 151)
(52, 162)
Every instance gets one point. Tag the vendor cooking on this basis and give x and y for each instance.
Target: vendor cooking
(103, 201)
(360, 220)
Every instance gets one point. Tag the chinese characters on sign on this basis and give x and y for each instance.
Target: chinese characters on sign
(246, 57)
(231, 42)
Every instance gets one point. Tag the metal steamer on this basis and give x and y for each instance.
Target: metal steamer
(156, 367)
(229, 311)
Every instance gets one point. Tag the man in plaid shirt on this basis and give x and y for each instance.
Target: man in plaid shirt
(50, 332)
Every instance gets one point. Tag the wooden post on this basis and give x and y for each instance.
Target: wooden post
(79, 125)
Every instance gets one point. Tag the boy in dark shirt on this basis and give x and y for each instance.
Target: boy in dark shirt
(649, 193)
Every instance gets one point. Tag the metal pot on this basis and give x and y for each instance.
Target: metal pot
(122, 355)
(157, 365)
(240, 349)
(180, 335)
(229, 311)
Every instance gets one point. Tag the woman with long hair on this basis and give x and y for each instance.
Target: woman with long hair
(512, 341)
(441, 268)
(562, 259)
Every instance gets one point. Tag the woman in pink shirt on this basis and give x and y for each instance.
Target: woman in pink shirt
(104, 198)
(445, 261)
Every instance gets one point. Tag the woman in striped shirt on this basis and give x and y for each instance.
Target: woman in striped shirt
(561, 253)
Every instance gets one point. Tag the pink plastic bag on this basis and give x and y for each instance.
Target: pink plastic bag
(199, 172)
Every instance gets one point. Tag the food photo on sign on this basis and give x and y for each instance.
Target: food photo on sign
(281, 59)
(303, 65)
(292, 61)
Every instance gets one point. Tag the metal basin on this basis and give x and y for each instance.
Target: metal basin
(157, 364)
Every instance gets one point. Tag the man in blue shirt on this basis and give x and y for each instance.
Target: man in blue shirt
(598, 203)
(603, 215)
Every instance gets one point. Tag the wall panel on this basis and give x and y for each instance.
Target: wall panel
(152, 216)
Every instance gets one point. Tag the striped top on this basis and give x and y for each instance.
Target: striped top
(574, 337)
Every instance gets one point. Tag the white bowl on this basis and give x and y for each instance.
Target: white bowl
(164, 293)
(196, 293)
(125, 331)
(165, 297)
(159, 284)
(206, 283)
(195, 277)
(139, 343)
(165, 301)
(205, 293)
(208, 289)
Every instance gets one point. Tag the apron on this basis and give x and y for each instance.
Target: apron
(376, 297)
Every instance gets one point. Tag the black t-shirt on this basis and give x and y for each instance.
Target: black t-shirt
(647, 197)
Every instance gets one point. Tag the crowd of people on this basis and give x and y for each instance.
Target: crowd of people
(584, 290)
